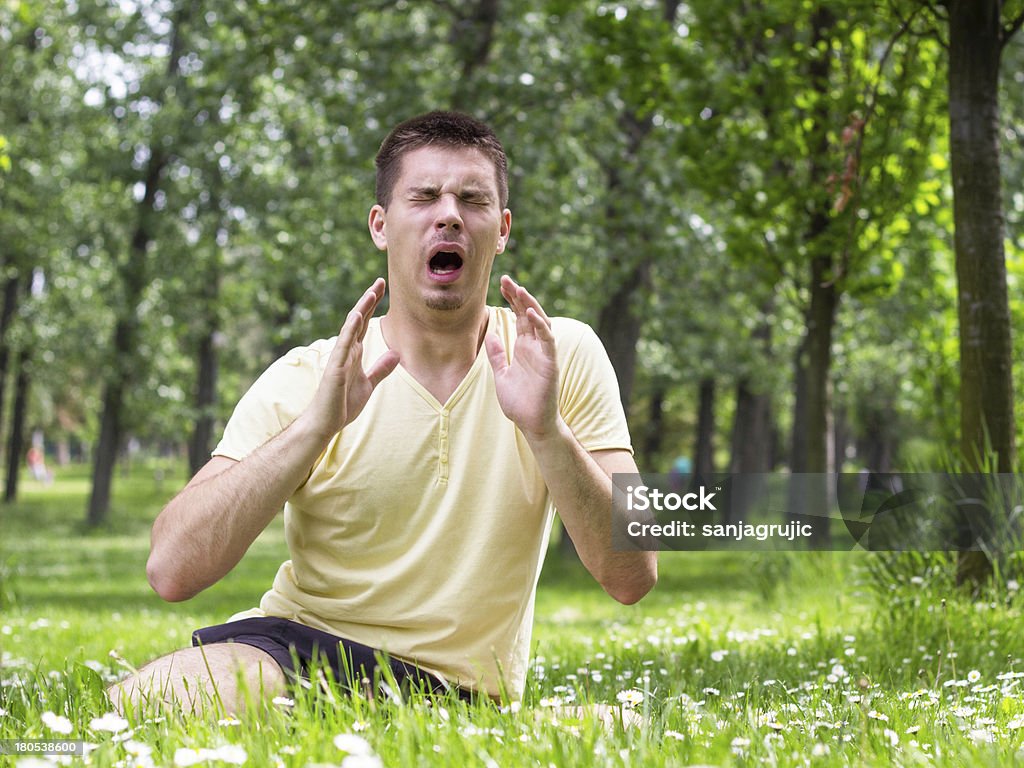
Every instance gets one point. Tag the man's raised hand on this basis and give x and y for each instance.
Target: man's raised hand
(346, 386)
(527, 387)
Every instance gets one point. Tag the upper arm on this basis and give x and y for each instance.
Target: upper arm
(275, 400)
(589, 393)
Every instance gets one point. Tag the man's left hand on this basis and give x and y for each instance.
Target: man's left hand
(527, 387)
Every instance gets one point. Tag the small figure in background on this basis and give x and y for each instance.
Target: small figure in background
(37, 465)
(679, 475)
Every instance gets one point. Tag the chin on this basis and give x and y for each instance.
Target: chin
(445, 302)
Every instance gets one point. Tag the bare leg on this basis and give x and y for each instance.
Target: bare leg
(215, 679)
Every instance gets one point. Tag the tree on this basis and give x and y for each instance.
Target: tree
(978, 34)
(38, 108)
(134, 274)
(812, 122)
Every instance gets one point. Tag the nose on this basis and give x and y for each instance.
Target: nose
(447, 213)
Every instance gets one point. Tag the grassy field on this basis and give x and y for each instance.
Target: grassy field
(734, 659)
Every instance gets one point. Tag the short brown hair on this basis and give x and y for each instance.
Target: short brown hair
(446, 129)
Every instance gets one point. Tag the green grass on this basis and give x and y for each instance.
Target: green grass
(739, 658)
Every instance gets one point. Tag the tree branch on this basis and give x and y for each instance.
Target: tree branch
(442, 4)
(1011, 29)
(871, 100)
(931, 30)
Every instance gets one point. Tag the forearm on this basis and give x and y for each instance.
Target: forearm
(582, 493)
(207, 528)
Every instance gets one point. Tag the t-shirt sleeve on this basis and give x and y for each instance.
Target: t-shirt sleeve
(589, 393)
(273, 402)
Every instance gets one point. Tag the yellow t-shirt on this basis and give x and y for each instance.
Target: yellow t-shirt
(422, 527)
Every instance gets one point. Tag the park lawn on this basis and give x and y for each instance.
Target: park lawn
(735, 659)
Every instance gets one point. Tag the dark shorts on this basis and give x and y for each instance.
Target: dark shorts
(354, 665)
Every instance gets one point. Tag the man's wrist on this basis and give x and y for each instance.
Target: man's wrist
(307, 429)
(551, 438)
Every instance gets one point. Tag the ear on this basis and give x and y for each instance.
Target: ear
(378, 230)
(506, 228)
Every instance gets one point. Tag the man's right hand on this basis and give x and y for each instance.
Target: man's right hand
(204, 530)
(346, 386)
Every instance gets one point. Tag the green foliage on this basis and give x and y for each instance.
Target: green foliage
(696, 145)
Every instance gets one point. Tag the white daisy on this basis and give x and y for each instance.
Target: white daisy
(111, 722)
(362, 761)
(352, 744)
(630, 698)
(57, 723)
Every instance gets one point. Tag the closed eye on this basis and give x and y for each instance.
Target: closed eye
(429, 194)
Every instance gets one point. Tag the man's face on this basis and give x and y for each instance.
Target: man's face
(442, 228)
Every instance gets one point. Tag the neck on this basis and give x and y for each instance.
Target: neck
(438, 344)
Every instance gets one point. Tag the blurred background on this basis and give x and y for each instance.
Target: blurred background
(796, 226)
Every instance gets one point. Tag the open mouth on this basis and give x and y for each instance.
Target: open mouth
(445, 263)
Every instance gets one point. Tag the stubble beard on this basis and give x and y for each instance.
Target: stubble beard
(445, 302)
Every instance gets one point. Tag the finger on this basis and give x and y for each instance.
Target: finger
(521, 299)
(510, 290)
(541, 326)
(368, 302)
(382, 367)
(495, 353)
(358, 318)
(528, 301)
(348, 333)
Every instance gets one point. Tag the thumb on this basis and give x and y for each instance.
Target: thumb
(495, 353)
(382, 367)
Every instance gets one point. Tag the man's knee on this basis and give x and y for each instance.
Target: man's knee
(220, 678)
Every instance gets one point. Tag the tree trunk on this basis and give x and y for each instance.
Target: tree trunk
(986, 389)
(105, 455)
(986, 381)
(704, 447)
(133, 276)
(751, 444)
(619, 322)
(200, 444)
(16, 440)
(840, 437)
(6, 315)
(876, 445)
(808, 501)
(472, 35)
(629, 271)
(654, 430)
(119, 378)
(751, 449)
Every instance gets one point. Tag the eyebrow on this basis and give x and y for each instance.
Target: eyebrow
(471, 189)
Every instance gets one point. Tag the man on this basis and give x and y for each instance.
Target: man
(414, 456)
